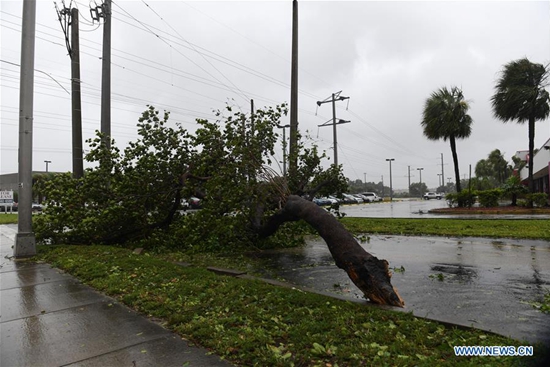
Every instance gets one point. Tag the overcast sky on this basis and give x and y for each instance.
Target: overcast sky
(193, 57)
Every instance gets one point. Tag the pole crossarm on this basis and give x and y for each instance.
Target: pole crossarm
(329, 123)
(337, 97)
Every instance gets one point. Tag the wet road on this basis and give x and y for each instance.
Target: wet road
(488, 284)
(416, 208)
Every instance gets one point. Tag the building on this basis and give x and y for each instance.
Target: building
(541, 166)
(10, 181)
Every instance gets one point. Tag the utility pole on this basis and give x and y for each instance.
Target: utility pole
(439, 179)
(25, 241)
(294, 93)
(420, 171)
(47, 162)
(252, 116)
(73, 47)
(391, 186)
(335, 97)
(78, 164)
(365, 180)
(106, 75)
(409, 180)
(284, 147)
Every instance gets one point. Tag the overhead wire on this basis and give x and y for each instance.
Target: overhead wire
(194, 49)
(145, 26)
(197, 49)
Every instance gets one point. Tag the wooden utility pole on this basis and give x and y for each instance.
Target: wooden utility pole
(106, 75)
(78, 165)
(293, 161)
(25, 241)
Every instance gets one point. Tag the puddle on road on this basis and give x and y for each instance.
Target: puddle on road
(476, 275)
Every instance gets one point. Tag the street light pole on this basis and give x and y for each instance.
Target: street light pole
(391, 187)
(284, 147)
(47, 162)
(420, 171)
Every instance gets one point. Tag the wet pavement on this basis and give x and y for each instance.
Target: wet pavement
(485, 283)
(416, 208)
(47, 318)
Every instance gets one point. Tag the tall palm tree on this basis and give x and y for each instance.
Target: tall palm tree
(445, 117)
(520, 95)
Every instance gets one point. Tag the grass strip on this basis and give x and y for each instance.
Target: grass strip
(251, 323)
(492, 228)
(6, 218)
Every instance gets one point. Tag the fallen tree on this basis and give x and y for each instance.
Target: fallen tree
(134, 197)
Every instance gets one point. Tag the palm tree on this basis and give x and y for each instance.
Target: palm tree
(445, 117)
(520, 95)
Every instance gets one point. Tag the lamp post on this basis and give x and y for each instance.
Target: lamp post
(47, 162)
(420, 171)
(391, 188)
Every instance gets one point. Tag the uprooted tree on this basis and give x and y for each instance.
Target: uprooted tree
(135, 196)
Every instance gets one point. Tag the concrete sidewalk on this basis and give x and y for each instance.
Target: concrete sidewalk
(47, 318)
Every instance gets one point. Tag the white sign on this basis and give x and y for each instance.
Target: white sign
(6, 197)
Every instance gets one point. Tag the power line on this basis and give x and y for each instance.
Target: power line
(189, 59)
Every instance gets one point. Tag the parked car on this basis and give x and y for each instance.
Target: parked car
(350, 199)
(36, 207)
(322, 201)
(194, 202)
(372, 196)
(366, 199)
(432, 195)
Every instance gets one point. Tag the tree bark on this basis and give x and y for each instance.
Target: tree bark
(455, 161)
(368, 273)
(531, 154)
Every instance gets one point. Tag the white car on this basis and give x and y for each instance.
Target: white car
(372, 197)
(432, 195)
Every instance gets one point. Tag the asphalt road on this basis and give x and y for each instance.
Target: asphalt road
(416, 208)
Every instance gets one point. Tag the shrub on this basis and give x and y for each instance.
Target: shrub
(461, 199)
(489, 198)
(538, 199)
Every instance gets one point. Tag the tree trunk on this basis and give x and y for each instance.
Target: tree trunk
(368, 273)
(531, 160)
(455, 161)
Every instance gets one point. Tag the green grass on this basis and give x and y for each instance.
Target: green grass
(493, 228)
(8, 218)
(252, 323)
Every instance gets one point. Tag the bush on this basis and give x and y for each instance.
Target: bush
(538, 199)
(461, 199)
(489, 198)
(513, 188)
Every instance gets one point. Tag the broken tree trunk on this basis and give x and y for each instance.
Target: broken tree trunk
(368, 273)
